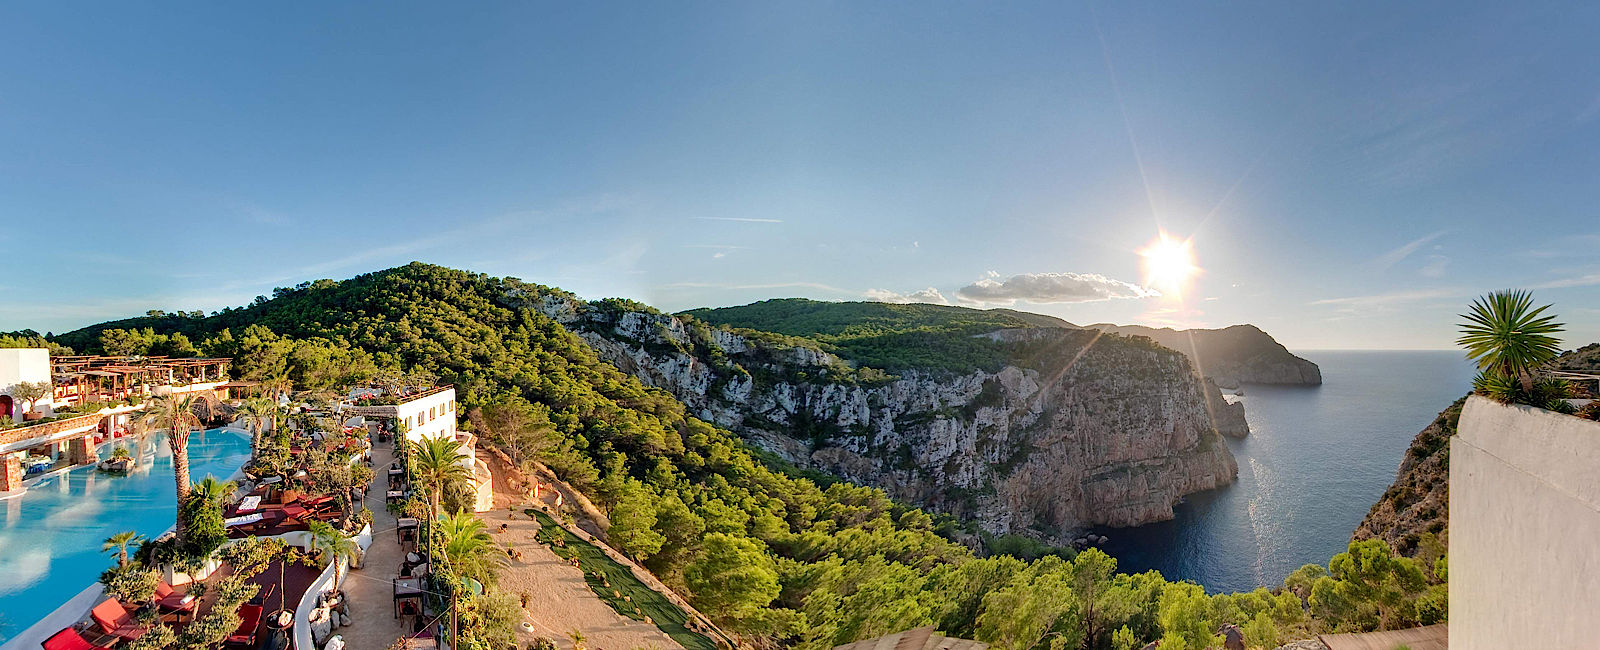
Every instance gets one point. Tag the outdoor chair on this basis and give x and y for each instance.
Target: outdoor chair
(171, 602)
(70, 639)
(245, 634)
(114, 619)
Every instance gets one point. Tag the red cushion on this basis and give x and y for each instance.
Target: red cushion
(249, 619)
(69, 639)
(110, 615)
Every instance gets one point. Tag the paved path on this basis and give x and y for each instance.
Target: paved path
(371, 592)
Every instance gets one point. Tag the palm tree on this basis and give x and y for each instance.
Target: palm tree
(278, 385)
(121, 541)
(439, 463)
(469, 547)
(329, 544)
(176, 414)
(256, 410)
(1508, 338)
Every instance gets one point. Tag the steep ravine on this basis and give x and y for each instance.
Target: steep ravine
(1069, 435)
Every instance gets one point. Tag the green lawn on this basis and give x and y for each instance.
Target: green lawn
(642, 600)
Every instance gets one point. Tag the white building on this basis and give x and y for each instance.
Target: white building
(432, 414)
(19, 365)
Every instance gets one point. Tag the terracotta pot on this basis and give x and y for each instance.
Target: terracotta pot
(32, 415)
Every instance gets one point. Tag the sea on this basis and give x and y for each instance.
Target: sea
(1315, 461)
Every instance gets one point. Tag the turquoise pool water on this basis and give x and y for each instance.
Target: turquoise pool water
(50, 537)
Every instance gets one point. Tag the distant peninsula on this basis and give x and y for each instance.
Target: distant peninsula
(1239, 354)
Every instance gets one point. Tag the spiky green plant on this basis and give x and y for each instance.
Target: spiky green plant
(1505, 334)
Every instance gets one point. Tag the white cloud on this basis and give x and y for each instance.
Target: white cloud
(740, 219)
(930, 295)
(1387, 299)
(1051, 288)
(1393, 257)
(1435, 266)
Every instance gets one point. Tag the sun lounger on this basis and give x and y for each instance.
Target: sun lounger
(114, 619)
(70, 639)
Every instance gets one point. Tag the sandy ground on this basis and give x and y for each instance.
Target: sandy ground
(559, 601)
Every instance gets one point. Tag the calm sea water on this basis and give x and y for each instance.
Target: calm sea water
(50, 537)
(1315, 461)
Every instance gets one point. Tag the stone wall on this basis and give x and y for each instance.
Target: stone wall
(1524, 520)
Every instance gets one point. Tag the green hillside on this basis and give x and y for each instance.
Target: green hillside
(889, 336)
(767, 554)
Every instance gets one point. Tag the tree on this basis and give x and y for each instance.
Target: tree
(468, 546)
(328, 544)
(1098, 606)
(439, 463)
(1508, 338)
(732, 579)
(1185, 619)
(256, 411)
(121, 541)
(29, 392)
(1371, 575)
(1260, 632)
(201, 516)
(1037, 604)
(633, 521)
(177, 415)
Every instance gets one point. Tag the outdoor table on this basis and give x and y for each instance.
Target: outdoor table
(249, 504)
(406, 588)
(396, 470)
(395, 495)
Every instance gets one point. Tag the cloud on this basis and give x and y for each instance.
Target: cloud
(1588, 280)
(1051, 288)
(1435, 266)
(774, 285)
(1387, 299)
(1386, 260)
(739, 219)
(929, 295)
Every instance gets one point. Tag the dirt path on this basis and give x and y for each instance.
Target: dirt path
(559, 601)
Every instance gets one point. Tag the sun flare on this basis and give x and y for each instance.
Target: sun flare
(1169, 265)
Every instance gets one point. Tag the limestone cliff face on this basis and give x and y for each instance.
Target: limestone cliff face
(1071, 435)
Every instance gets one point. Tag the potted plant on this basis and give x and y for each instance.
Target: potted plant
(121, 460)
(29, 393)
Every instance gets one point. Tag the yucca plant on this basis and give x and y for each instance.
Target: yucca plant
(1509, 339)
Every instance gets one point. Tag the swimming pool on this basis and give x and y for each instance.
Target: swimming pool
(50, 537)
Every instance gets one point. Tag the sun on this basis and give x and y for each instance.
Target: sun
(1169, 265)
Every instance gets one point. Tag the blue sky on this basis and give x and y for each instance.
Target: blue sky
(1349, 176)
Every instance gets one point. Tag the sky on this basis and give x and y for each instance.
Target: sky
(1346, 175)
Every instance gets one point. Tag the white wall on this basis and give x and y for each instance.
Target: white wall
(1524, 529)
(429, 417)
(23, 364)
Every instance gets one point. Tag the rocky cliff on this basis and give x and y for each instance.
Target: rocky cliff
(1231, 355)
(1418, 501)
(1077, 429)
